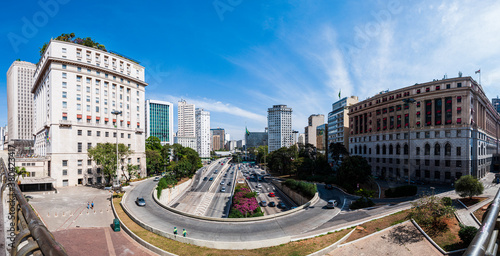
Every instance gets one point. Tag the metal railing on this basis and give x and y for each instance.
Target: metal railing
(26, 235)
(485, 242)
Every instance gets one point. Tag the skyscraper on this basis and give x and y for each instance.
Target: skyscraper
(310, 130)
(279, 123)
(76, 89)
(338, 122)
(203, 133)
(20, 100)
(160, 120)
(185, 119)
(218, 138)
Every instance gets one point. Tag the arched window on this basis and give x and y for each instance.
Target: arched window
(384, 150)
(378, 150)
(427, 149)
(406, 149)
(364, 149)
(437, 149)
(391, 150)
(447, 149)
(355, 149)
(398, 149)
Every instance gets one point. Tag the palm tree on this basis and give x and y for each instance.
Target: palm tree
(20, 171)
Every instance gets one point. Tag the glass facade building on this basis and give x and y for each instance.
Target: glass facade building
(159, 120)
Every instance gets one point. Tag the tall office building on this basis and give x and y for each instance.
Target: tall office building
(255, 139)
(76, 88)
(279, 123)
(160, 120)
(203, 133)
(218, 138)
(321, 138)
(338, 122)
(185, 119)
(496, 103)
(436, 131)
(310, 130)
(20, 100)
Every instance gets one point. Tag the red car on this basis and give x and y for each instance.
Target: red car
(271, 194)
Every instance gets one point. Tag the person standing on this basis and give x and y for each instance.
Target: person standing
(184, 232)
(92, 204)
(88, 205)
(175, 230)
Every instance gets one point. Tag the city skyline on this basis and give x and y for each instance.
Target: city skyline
(239, 62)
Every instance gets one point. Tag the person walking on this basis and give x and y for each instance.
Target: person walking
(88, 205)
(184, 232)
(175, 230)
(92, 204)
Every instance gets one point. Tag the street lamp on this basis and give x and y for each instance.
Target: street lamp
(116, 113)
(407, 102)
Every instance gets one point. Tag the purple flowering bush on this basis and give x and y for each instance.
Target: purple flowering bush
(244, 204)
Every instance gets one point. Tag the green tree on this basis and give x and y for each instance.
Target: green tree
(337, 151)
(262, 153)
(130, 172)
(153, 143)
(468, 186)
(104, 154)
(20, 171)
(467, 234)
(154, 161)
(353, 170)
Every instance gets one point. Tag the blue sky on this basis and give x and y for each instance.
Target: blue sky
(236, 58)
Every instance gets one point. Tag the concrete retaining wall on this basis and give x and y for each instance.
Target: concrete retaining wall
(169, 194)
(296, 197)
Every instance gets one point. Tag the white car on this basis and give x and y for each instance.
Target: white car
(223, 189)
(331, 204)
(259, 185)
(222, 182)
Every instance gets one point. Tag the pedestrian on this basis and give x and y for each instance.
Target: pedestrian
(88, 205)
(175, 230)
(92, 204)
(184, 232)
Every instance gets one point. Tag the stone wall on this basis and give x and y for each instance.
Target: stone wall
(296, 197)
(169, 194)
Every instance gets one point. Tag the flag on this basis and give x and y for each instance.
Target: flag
(247, 132)
(339, 93)
(478, 71)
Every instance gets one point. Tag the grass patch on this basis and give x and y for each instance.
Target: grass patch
(377, 225)
(479, 213)
(447, 238)
(472, 201)
(303, 247)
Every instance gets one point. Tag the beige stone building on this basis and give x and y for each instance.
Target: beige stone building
(448, 129)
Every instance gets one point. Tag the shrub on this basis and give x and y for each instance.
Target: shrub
(401, 191)
(362, 203)
(447, 201)
(164, 183)
(304, 188)
(467, 234)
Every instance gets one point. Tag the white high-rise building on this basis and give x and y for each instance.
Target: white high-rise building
(279, 123)
(20, 100)
(203, 133)
(76, 88)
(160, 121)
(185, 119)
(2, 137)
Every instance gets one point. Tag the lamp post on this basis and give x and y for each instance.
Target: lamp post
(407, 102)
(116, 113)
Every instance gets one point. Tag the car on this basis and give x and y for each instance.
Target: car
(329, 186)
(248, 177)
(272, 204)
(156, 179)
(271, 194)
(258, 185)
(229, 183)
(211, 178)
(331, 204)
(263, 203)
(225, 175)
(223, 189)
(215, 172)
(222, 183)
(258, 192)
(140, 201)
(281, 205)
(232, 172)
(206, 178)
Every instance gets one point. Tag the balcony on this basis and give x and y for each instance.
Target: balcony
(65, 123)
(139, 130)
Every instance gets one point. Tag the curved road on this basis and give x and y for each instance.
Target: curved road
(311, 220)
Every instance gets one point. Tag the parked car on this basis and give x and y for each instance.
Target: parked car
(263, 203)
(331, 204)
(271, 194)
(272, 204)
(281, 205)
(140, 201)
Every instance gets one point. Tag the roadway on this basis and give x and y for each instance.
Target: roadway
(310, 219)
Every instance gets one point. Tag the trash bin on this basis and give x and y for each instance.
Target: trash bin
(116, 225)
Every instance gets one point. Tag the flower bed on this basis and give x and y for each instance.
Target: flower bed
(244, 203)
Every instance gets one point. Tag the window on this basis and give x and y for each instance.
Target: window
(89, 133)
(79, 147)
(459, 151)
(64, 51)
(459, 163)
(80, 162)
(89, 145)
(79, 171)
(459, 85)
(65, 172)
(64, 95)
(79, 132)
(447, 163)
(64, 162)
(64, 85)
(436, 162)
(114, 135)
(97, 109)
(64, 75)
(437, 149)
(88, 108)
(418, 151)
(78, 78)
(448, 86)
(65, 104)
(98, 133)
(138, 160)
(447, 149)
(88, 80)
(89, 171)
(427, 162)
(417, 134)
(88, 98)
(129, 135)
(459, 99)
(427, 149)
(107, 134)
